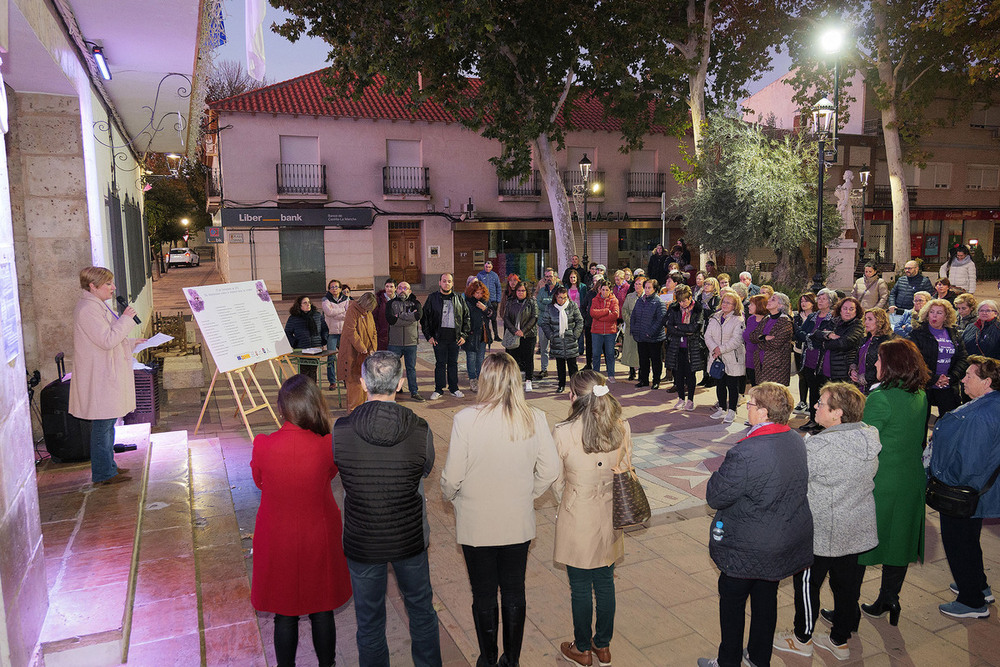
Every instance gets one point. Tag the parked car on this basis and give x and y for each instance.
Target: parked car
(183, 256)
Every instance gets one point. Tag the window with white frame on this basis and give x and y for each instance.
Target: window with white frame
(935, 176)
(982, 177)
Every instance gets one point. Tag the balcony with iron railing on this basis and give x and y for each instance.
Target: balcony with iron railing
(300, 179)
(645, 184)
(872, 126)
(882, 196)
(573, 177)
(406, 181)
(529, 186)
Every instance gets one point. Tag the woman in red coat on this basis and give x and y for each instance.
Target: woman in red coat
(298, 561)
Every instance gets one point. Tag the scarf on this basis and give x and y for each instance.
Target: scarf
(563, 319)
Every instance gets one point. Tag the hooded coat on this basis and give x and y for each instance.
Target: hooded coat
(961, 273)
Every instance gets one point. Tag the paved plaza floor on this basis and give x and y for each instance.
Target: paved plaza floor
(667, 604)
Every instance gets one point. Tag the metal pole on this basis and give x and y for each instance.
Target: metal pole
(586, 259)
(818, 278)
(836, 106)
(663, 219)
(861, 245)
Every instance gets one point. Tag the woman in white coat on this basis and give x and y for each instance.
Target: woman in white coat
(500, 458)
(103, 386)
(960, 270)
(724, 339)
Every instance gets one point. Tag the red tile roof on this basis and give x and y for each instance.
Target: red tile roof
(308, 95)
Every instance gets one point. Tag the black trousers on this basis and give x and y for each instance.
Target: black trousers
(803, 384)
(684, 375)
(815, 388)
(649, 358)
(960, 538)
(493, 319)
(524, 355)
(500, 567)
(446, 364)
(946, 400)
(845, 582)
(324, 636)
(561, 366)
(727, 390)
(733, 594)
(588, 346)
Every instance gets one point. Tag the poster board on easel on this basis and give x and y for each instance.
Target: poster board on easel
(241, 328)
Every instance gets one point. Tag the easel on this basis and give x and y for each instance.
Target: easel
(247, 392)
(284, 370)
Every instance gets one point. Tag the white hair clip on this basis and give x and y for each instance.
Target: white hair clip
(600, 389)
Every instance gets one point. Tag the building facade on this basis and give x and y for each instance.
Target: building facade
(412, 193)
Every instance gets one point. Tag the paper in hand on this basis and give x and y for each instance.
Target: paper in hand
(155, 341)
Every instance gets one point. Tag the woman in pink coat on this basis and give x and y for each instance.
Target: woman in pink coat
(298, 562)
(103, 386)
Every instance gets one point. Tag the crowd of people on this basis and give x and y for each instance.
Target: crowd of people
(849, 495)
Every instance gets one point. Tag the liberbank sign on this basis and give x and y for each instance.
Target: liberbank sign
(346, 218)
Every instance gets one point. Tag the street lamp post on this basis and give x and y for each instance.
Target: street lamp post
(585, 165)
(831, 41)
(823, 112)
(865, 175)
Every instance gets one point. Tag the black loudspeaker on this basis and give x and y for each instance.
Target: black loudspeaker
(67, 438)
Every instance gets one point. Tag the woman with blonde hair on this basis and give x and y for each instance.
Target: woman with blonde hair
(590, 444)
(358, 340)
(493, 482)
(944, 354)
(724, 338)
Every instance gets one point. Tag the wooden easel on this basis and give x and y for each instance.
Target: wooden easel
(284, 370)
(254, 406)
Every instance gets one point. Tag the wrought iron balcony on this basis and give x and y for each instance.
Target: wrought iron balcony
(213, 186)
(406, 180)
(300, 179)
(574, 177)
(520, 186)
(872, 126)
(646, 184)
(882, 196)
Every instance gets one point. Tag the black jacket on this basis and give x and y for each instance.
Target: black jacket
(693, 331)
(927, 344)
(383, 450)
(479, 324)
(307, 330)
(760, 494)
(430, 320)
(527, 310)
(567, 345)
(985, 341)
(649, 316)
(843, 350)
(871, 356)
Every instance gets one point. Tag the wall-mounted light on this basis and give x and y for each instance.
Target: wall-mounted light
(102, 63)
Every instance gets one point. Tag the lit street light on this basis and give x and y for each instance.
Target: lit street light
(865, 175)
(585, 165)
(823, 114)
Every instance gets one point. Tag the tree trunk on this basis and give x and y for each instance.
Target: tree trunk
(791, 268)
(562, 222)
(702, 34)
(890, 132)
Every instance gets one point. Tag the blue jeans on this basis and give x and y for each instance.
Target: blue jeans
(585, 587)
(332, 343)
(474, 360)
(409, 355)
(414, 579)
(604, 343)
(102, 450)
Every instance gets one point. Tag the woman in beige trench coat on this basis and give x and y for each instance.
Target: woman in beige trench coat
(358, 339)
(103, 385)
(589, 443)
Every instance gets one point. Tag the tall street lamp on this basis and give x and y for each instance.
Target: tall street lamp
(823, 114)
(831, 41)
(585, 165)
(865, 175)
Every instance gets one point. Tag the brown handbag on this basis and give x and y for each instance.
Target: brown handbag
(630, 505)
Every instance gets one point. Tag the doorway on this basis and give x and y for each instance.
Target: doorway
(303, 261)
(404, 251)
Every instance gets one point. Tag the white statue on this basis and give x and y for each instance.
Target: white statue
(843, 194)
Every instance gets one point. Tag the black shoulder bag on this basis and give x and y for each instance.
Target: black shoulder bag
(956, 501)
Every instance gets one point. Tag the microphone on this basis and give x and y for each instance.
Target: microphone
(124, 304)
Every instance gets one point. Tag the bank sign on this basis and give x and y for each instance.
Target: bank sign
(347, 218)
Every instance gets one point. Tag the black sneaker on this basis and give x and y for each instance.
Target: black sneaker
(808, 426)
(540, 375)
(417, 397)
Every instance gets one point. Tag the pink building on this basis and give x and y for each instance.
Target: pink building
(360, 190)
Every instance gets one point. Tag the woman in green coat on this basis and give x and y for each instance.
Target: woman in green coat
(897, 408)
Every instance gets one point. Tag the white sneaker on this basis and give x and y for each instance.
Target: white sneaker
(839, 651)
(679, 405)
(689, 406)
(458, 393)
(435, 395)
(611, 379)
(789, 643)
(527, 385)
(730, 416)
(719, 414)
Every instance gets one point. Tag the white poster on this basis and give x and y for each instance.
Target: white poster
(239, 323)
(10, 327)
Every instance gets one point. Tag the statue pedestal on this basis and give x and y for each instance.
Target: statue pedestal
(841, 260)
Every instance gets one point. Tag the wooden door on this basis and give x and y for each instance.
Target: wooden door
(404, 253)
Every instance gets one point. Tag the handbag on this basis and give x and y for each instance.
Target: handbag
(717, 369)
(630, 507)
(511, 341)
(957, 501)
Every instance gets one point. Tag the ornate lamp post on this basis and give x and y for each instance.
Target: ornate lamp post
(865, 175)
(585, 165)
(831, 41)
(823, 114)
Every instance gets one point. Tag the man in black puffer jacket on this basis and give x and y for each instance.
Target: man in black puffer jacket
(384, 451)
(763, 529)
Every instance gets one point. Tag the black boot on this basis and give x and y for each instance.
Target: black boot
(888, 595)
(487, 626)
(631, 374)
(513, 635)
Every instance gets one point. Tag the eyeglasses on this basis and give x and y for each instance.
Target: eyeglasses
(751, 404)
(821, 403)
